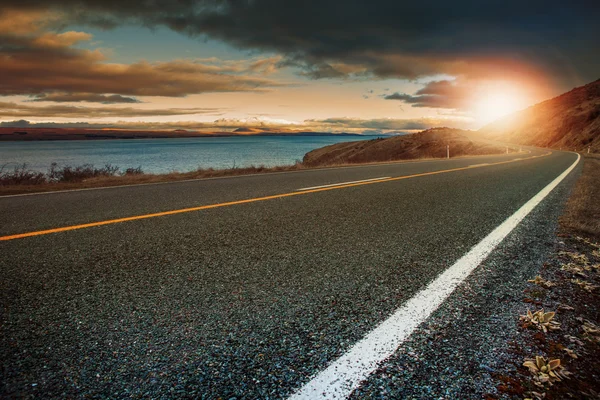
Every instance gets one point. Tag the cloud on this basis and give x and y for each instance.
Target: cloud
(34, 61)
(266, 66)
(85, 97)
(381, 38)
(439, 94)
(14, 110)
(27, 124)
(399, 96)
(260, 124)
(432, 101)
(382, 124)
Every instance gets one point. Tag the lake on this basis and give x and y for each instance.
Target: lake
(167, 155)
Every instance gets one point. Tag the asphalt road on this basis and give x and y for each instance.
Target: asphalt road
(241, 301)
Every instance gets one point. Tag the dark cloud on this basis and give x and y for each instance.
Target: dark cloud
(399, 96)
(333, 39)
(432, 101)
(85, 97)
(438, 94)
(14, 110)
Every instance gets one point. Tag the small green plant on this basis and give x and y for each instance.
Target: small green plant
(538, 280)
(541, 320)
(585, 285)
(546, 371)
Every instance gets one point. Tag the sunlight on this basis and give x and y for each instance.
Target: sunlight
(496, 101)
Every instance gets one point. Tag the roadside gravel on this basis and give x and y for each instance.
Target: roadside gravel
(460, 350)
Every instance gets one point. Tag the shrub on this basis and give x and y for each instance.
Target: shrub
(80, 173)
(134, 171)
(20, 175)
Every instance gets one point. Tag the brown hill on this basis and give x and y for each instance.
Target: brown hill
(427, 144)
(570, 121)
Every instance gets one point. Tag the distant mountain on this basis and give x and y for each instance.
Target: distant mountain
(309, 134)
(29, 134)
(570, 121)
(427, 144)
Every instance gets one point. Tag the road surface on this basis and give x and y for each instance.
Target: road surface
(240, 287)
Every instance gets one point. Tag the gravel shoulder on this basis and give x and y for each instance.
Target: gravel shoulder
(475, 345)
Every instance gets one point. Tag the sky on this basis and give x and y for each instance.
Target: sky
(337, 66)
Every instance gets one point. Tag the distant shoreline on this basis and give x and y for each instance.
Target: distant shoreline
(66, 134)
(138, 177)
(23, 181)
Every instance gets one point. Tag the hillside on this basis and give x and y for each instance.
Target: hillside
(427, 144)
(569, 121)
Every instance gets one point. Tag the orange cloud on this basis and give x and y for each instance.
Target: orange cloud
(23, 22)
(61, 39)
(37, 62)
(256, 125)
(14, 110)
(469, 95)
(85, 97)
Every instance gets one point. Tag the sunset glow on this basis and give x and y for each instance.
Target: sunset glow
(299, 199)
(497, 102)
(142, 71)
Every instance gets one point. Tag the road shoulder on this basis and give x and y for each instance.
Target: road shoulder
(464, 347)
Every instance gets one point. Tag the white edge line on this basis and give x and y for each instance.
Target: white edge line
(342, 183)
(246, 175)
(346, 373)
(479, 165)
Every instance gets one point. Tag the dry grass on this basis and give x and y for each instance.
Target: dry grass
(426, 144)
(582, 214)
(10, 188)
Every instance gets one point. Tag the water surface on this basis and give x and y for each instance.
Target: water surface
(167, 155)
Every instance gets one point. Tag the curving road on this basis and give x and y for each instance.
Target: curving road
(240, 287)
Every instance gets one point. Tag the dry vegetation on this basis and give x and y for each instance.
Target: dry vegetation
(560, 359)
(22, 180)
(582, 215)
(424, 145)
(570, 121)
(427, 144)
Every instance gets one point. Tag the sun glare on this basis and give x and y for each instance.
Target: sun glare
(496, 102)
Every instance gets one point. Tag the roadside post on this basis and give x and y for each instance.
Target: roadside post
(447, 151)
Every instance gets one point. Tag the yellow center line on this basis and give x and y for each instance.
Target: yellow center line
(236, 202)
